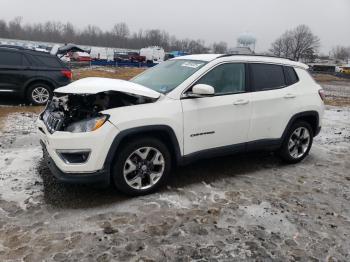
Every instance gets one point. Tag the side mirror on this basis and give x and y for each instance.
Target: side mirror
(201, 90)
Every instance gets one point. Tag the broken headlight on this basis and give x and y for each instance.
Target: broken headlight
(87, 125)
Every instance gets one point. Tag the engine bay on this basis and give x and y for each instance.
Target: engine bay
(65, 109)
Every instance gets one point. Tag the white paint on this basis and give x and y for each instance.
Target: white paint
(94, 85)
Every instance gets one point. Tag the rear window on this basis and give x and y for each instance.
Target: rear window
(8, 58)
(291, 75)
(49, 61)
(267, 77)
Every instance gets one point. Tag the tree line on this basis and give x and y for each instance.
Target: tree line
(298, 43)
(301, 43)
(119, 36)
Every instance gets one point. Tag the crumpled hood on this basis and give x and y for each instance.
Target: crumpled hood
(94, 85)
(62, 50)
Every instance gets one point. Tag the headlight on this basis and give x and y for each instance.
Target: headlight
(87, 125)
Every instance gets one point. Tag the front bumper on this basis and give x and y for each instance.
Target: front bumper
(97, 142)
(101, 177)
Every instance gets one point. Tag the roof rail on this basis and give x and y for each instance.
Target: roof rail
(225, 55)
(23, 48)
(14, 47)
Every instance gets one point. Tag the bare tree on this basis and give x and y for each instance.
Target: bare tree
(341, 52)
(3, 29)
(15, 27)
(220, 48)
(119, 36)
(295, 44)
(121, 30)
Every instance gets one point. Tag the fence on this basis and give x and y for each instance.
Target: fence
(120, 64)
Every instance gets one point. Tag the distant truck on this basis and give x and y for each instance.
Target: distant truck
(153, 54)
(80, 57)
(121, 57)
(136, 57)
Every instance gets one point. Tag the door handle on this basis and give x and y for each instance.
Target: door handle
(289, 96)
(241, 102)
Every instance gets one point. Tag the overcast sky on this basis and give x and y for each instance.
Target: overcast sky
(197, 19)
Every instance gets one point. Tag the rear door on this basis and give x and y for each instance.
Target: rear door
(273, 100)
(13, 68)
(219, 120)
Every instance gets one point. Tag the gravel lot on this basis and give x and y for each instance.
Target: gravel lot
(241, 207)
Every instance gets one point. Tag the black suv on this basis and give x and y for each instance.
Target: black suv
(31, 74)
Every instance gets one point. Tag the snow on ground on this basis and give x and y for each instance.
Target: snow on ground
(241, 207)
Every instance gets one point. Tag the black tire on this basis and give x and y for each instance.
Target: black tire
(46, 91)
(123, 155)
(284, 151)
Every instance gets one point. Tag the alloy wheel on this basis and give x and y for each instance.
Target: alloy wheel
(40, 95)
(299, 142)
(144, 168)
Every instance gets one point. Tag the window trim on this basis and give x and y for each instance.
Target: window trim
(246, 86)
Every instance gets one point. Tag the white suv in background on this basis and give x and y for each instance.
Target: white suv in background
(130, 133)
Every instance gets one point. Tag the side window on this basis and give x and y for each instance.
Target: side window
(226, 78)
(291, 75)
(266, 77)
(8, 58)
(25, 61)
(47, 61)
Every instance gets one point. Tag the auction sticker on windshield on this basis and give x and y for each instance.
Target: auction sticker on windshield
(192, 64)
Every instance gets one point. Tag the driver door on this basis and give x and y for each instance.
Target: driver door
(222, 119)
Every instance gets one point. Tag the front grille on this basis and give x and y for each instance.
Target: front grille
(53, 120)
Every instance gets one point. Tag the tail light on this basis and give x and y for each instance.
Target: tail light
(67, 73)
(322, 94)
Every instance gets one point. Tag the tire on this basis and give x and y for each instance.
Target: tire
(294, 149)
(39, 94)
(136, 161)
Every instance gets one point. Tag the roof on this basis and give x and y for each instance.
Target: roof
(201, 57)
(23, 49)
(244, 58)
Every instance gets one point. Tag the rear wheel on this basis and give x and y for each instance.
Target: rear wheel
(297, 142)
(39, 94)
(141, 166)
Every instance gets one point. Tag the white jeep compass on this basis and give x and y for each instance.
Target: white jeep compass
(130, 133)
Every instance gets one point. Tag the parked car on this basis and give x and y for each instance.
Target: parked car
(121, 57)
(131, 133)
(81, 57)
(153, 54)
(136, 57)
(31, 74)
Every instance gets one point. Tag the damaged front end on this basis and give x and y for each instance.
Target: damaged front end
(82, 112)
(77, 107)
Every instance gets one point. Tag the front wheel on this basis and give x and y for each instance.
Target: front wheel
(297, 142)
(39, 94)
(141, 166)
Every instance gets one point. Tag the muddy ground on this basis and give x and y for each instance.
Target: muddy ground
(242, 207)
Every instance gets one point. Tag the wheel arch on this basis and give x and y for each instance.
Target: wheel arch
(162, 132)
(33, 81)
(311, 117)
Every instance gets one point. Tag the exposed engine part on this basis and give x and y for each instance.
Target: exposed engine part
(66, 109)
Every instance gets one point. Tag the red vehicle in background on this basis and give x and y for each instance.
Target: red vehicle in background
(81, 57)
(136, 57)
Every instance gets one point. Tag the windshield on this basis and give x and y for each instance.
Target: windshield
(166, 76)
